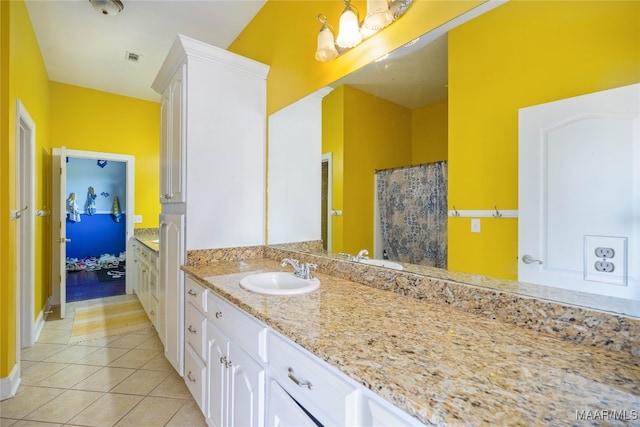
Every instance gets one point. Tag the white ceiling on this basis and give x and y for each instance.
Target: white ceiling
(84, 48)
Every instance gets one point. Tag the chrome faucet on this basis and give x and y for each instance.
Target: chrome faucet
(363, 254)
(303, 271)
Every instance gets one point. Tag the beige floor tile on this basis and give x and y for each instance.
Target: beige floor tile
(57, 323)
(41, 351)
(69, 376)
(128, 341)
(107, 410)
(22, 423)
(26, 364)
(71, 354)
(104, 380)
(6, 422)
(27, 400)
(141, 382)
(134, 358)
(189, 415)
(152, 411)
(41, 370)
(158, 363)
(151, 343)
(172, 386)
(64, 407)
(54, 336)
(102, 356)
(100, 342)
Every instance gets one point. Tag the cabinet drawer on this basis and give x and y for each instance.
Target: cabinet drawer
(195, 376)
(244, 330)
(195, 330)
(196, 294)
(326, 395)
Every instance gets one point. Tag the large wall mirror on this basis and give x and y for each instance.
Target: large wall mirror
(393, 115)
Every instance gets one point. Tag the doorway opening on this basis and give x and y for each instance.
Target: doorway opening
(93, 197)
(325, 203)
(96, 228)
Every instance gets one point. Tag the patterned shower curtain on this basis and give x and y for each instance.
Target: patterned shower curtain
(413, 211)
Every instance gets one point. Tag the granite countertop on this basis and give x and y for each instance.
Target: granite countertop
(440, 364)
(148, 237)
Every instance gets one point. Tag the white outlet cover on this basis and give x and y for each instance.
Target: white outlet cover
(475, 225)
(137, 219)
(619, 245)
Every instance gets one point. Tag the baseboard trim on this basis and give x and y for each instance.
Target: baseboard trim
(9, 385)
(39, 324)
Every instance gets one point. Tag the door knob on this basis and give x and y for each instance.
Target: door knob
(63, 240)
(528, 259)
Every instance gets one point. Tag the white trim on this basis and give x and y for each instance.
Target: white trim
(328, 157)
(490, 213)
(130, 201)
(25, 255)
(9, 385)
(39, 323)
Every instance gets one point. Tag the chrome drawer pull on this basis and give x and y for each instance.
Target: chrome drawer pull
(193, 380)
(190, 329)
(192, 293)
(292, 377)
(226, 362)
(218, 314)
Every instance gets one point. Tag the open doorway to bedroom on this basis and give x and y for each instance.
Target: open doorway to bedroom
(96, 228)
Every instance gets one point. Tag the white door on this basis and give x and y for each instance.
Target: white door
(579, 193)
(60, 237)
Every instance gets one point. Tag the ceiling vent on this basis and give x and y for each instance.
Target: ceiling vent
(132, 57)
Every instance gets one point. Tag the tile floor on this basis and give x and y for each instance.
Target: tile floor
(116, 381)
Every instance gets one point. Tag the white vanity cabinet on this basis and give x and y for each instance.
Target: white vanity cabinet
(172, 140)
(145, 266)
(236, 372)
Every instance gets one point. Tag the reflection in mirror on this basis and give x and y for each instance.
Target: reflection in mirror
(353, 132)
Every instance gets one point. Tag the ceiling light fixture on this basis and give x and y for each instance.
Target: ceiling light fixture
(380, 14)
(107, 7)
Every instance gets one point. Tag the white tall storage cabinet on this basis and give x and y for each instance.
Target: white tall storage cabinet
(212, 166)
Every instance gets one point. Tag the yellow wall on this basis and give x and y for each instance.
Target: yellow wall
(333, 142)
(26, 79)
(429, 133)
(90, 120)
(284, 36)
(377, 135)
(522, 53)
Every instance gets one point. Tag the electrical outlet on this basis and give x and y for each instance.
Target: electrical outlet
(475, 225)
(137, 219)
(604, 266)
(605, 259)
(606, 253)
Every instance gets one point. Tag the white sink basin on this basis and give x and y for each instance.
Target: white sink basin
(278, 283)
(382, 263)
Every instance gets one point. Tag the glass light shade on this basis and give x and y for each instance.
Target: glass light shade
(107, 7)
(378, 15)
(349, 30)
(326, 46)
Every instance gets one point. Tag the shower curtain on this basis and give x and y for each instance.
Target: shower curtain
(412, 203)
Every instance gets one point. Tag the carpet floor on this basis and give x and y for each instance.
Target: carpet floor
(108, 317)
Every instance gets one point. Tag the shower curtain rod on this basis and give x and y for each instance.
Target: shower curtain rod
(408, 166)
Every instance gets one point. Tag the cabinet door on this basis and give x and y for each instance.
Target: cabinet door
(283, 411)
(177, 140)
(165, 150)
(246, 389)
(172, 141)
(171, 289)
(217, 370)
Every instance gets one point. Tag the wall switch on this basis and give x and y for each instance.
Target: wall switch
(137, 219)
(605, 259)
(475, 225)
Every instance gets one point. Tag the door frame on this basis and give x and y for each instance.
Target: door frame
(328, 159)
(25, 180)
(59, 199)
